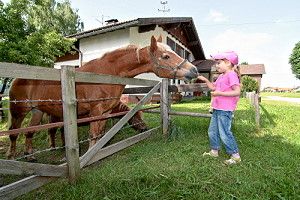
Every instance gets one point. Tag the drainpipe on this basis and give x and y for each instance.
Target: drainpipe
(80, 56)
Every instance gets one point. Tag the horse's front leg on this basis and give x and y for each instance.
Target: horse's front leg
(11, 152)
(97, 128)
(16, 121)
(52, 133)
(35, 120)
(138, 123)
(96, 131)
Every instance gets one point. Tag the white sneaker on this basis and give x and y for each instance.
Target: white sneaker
(233, 161)
(211, 154)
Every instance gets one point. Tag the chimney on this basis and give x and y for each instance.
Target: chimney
(111, 21)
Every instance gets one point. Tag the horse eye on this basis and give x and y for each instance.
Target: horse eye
(165, 57)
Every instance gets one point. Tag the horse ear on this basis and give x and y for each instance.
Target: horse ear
(159, 39)
(153, 46)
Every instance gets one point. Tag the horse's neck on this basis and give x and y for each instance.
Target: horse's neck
(127, 62)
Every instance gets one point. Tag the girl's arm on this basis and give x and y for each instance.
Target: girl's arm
(208, 83)
(236, 91)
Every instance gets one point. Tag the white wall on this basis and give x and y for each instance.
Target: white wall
(96, 46)
(70, 62)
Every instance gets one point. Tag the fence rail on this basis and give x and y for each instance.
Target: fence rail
(21, 168)
(13, 70)
(189, 114)
(196, 87)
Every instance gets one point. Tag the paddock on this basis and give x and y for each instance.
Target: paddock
(40, 174)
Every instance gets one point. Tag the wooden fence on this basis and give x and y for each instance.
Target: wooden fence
(254, 101)
(44, 173)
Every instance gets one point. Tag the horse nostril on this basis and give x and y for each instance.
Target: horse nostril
(194, 70)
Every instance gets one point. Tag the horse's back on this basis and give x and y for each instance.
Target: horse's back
(32, 89)
(25, 93)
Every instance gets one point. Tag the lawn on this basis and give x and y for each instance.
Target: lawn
(175, 169)
(281, 94)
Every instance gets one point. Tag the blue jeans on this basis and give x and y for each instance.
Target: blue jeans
(220, 128)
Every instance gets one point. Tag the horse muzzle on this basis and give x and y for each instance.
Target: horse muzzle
(191, 74)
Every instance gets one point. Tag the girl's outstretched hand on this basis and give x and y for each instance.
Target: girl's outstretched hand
(207, 82)
(202, 78)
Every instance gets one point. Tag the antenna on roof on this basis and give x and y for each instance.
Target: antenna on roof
(102, 19)
(164, 3)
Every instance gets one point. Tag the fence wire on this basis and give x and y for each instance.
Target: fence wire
(57, 100)
(80, 142)
(60, 101)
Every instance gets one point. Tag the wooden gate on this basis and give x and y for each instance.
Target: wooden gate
(44, 173)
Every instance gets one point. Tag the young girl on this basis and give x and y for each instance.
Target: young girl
(225, 91)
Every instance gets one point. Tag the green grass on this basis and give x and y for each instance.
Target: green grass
(281, 94)
(174, 168)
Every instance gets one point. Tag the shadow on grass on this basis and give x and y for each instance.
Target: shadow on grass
(267, 118)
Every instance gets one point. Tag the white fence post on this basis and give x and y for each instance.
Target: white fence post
(164, 106)
(254, 101)
(70, 121)
(257, 111)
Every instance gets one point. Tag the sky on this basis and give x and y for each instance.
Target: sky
(260, 31)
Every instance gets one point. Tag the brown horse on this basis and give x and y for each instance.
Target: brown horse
(136, 122)
(125, 62)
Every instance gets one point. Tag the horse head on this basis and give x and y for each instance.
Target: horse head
(167, 64)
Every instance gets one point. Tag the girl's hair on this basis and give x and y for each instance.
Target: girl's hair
(236, 68)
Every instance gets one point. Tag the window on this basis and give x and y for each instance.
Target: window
(180, 51)
(171, 43)
(177, 48)
(187, 55)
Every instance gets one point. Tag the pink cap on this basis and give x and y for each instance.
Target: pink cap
(229, 55)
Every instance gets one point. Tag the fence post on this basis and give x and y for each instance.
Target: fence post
(164, 106)
(254, 101)
(70, 121)
(256, 107)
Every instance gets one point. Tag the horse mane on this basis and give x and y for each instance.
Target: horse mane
(112, 55)
(107, 58)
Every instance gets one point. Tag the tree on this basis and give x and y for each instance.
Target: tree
(294, 60)
(4, 82)
(48, 14)
(244, 63)
(249, 84)
(32, 31)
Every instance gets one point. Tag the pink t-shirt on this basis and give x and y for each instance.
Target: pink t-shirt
(224, 83)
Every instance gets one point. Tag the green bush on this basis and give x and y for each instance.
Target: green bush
(249, 84)
(294, 60)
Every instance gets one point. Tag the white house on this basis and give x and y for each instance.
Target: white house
(179, 33)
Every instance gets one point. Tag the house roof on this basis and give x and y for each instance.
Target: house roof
(252, 69)
(170, 24)
(204, 65)
(209, 65)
